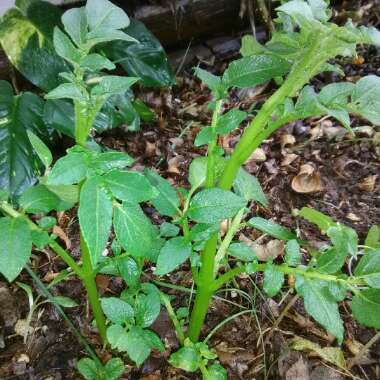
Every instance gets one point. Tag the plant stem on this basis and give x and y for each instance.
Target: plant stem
(88, 278)
(210, 176)
(166, 302)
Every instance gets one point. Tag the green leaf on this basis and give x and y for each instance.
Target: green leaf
(146, 114)
(69, 169)
(27, 40)
(95, 62)
(250, 46)
(251, 71)
(369, 268)
(198, 170)
(366, 98)
(248, 187)
(242, 252)
(129, 270)
(102, 14)
(67, 193)
(216, 372)
(321, 305)
(323, 221)
(153, 340)
(129, 186)
(186, 358)
(145, 59)
(106, 35)
(202, 232)
(19, 163)
(114, 368)
(147, 308)
(372, 239)
(133, 229)
(59, 115)
(64, 301)
(47, 222)
(336, 94)
(42, 151)
(40, 239)
(112, 85)
(40, 199)
(271, 228)
(88, 369)
(273, 280)
(205, 136)
(230, 121)
(117, 310)
(366, 307)
(293, 253)
(213, 82)
(214, 205)
(110, 160)
(331, 260)
(117, 337)
(344, 239)
(167, 201)
(95, 217)
(75, 23)
(68, 91)
(15, 246)
(174, 253)
(169, 230)
(65, 48)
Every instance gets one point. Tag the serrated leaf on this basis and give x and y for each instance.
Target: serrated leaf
(230, 121)
(323, 221)
(175, 252)
(336, 94)
(213, 205)
(271, 228)
(293, 253)
(185, 358)
(372, 239)
(147, 308)
(366, 307)
(87, 368)
(40, 199)
(114, 368)
(113, 85)
(137, 346)
(95, 217)
(129, 270)
(167, 201)
(251, 71)
(110, 160)
(15, 246)
(273, 280)
(213, 82)
(133, 229)
(242, 252)
(321, 305)
(344, 239)
(369, 268)
(248, 186)
(216, 372)
(117, 310)
(117, 337)
(169, 230)
(129, 186)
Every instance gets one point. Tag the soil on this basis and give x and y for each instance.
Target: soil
(255, 344)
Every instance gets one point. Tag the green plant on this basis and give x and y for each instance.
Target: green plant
(108, 195)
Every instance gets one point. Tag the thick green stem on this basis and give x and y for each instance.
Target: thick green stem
(88, 278)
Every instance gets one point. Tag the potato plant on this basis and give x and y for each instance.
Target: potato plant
(109, 196)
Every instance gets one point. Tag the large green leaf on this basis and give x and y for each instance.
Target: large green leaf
(271, 228)
(273, 280)
(214, 205)
(133, 229)
(321, 305)
(26, 38)
(254, 70)
(95, 217)
(369, 268)
(15, 246)
(175, 252)
(366, 307)
(145, 59)
(19, 164)
(117, 310)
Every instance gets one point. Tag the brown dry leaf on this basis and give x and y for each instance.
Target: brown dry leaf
(298, 371)
(353, 217)
(258, 156)
(355, 348)
(332, 355)
(150, 149)
(368, 183)
(271, 250)
(288, 159)
(308, 180)
(174, 163)
(316, 132)
(50, 276)
(102, 282)
(286, 140)
(365, 131)
(23, 328)
(62, 235)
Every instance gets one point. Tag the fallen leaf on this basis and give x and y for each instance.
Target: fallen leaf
(298, 371)
(353, 217)
(325, 373)
(62, 235)
(332, 355)
(368, 183)
(288, 159)
(286, 140)
(308, 180)
(258, 155)
(265, 252)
